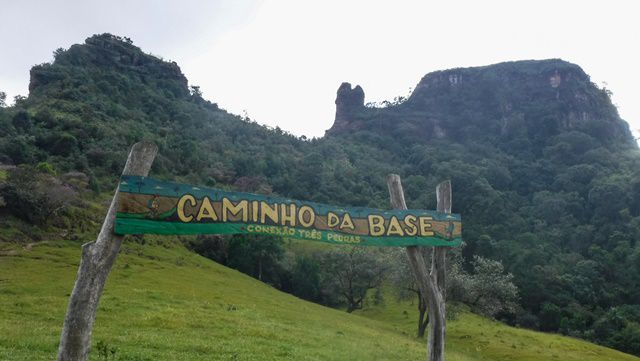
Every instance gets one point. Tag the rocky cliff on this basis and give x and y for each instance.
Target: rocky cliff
(540, 98)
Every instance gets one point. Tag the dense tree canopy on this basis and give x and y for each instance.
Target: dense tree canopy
(545, 174)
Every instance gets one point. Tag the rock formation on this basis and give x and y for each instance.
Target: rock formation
(349, 104)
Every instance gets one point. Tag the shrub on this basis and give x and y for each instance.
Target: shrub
(34, 196)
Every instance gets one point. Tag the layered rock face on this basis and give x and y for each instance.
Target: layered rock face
(537, 99)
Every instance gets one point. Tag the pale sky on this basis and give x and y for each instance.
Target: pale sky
(281, 62)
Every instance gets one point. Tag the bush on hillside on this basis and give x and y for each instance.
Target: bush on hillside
(35, 196)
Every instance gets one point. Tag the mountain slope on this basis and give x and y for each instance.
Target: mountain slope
(544, 171)
(495, 103)
(545, 174)
(162, 302)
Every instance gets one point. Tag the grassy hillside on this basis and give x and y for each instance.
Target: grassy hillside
(163, 302)
(481, 339)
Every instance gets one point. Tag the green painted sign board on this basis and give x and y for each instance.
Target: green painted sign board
(149, 206)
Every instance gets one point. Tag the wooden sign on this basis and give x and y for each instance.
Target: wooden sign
(149, 206)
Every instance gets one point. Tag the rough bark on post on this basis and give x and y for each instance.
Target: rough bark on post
(95, 265)
(443, 196)
(438, 325)
(423, 318)
(427, 281)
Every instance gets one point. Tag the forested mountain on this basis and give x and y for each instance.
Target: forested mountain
(545, 173)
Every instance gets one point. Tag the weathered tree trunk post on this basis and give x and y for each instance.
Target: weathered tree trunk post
(423, 318)
(438, 324)
(431, 284)
(95, 265)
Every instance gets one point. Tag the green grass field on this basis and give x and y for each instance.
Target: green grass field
(164, 303)
(483, 339)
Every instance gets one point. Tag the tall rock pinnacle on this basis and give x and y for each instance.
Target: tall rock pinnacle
(349, 103)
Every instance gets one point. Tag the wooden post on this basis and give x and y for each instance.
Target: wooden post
(431, 284)
(438, 324)
(95, 265)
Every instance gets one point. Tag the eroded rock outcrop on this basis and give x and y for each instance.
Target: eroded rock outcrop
(532, 100)
(349, 105)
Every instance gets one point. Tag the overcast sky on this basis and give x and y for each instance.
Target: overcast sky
(281, 62)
